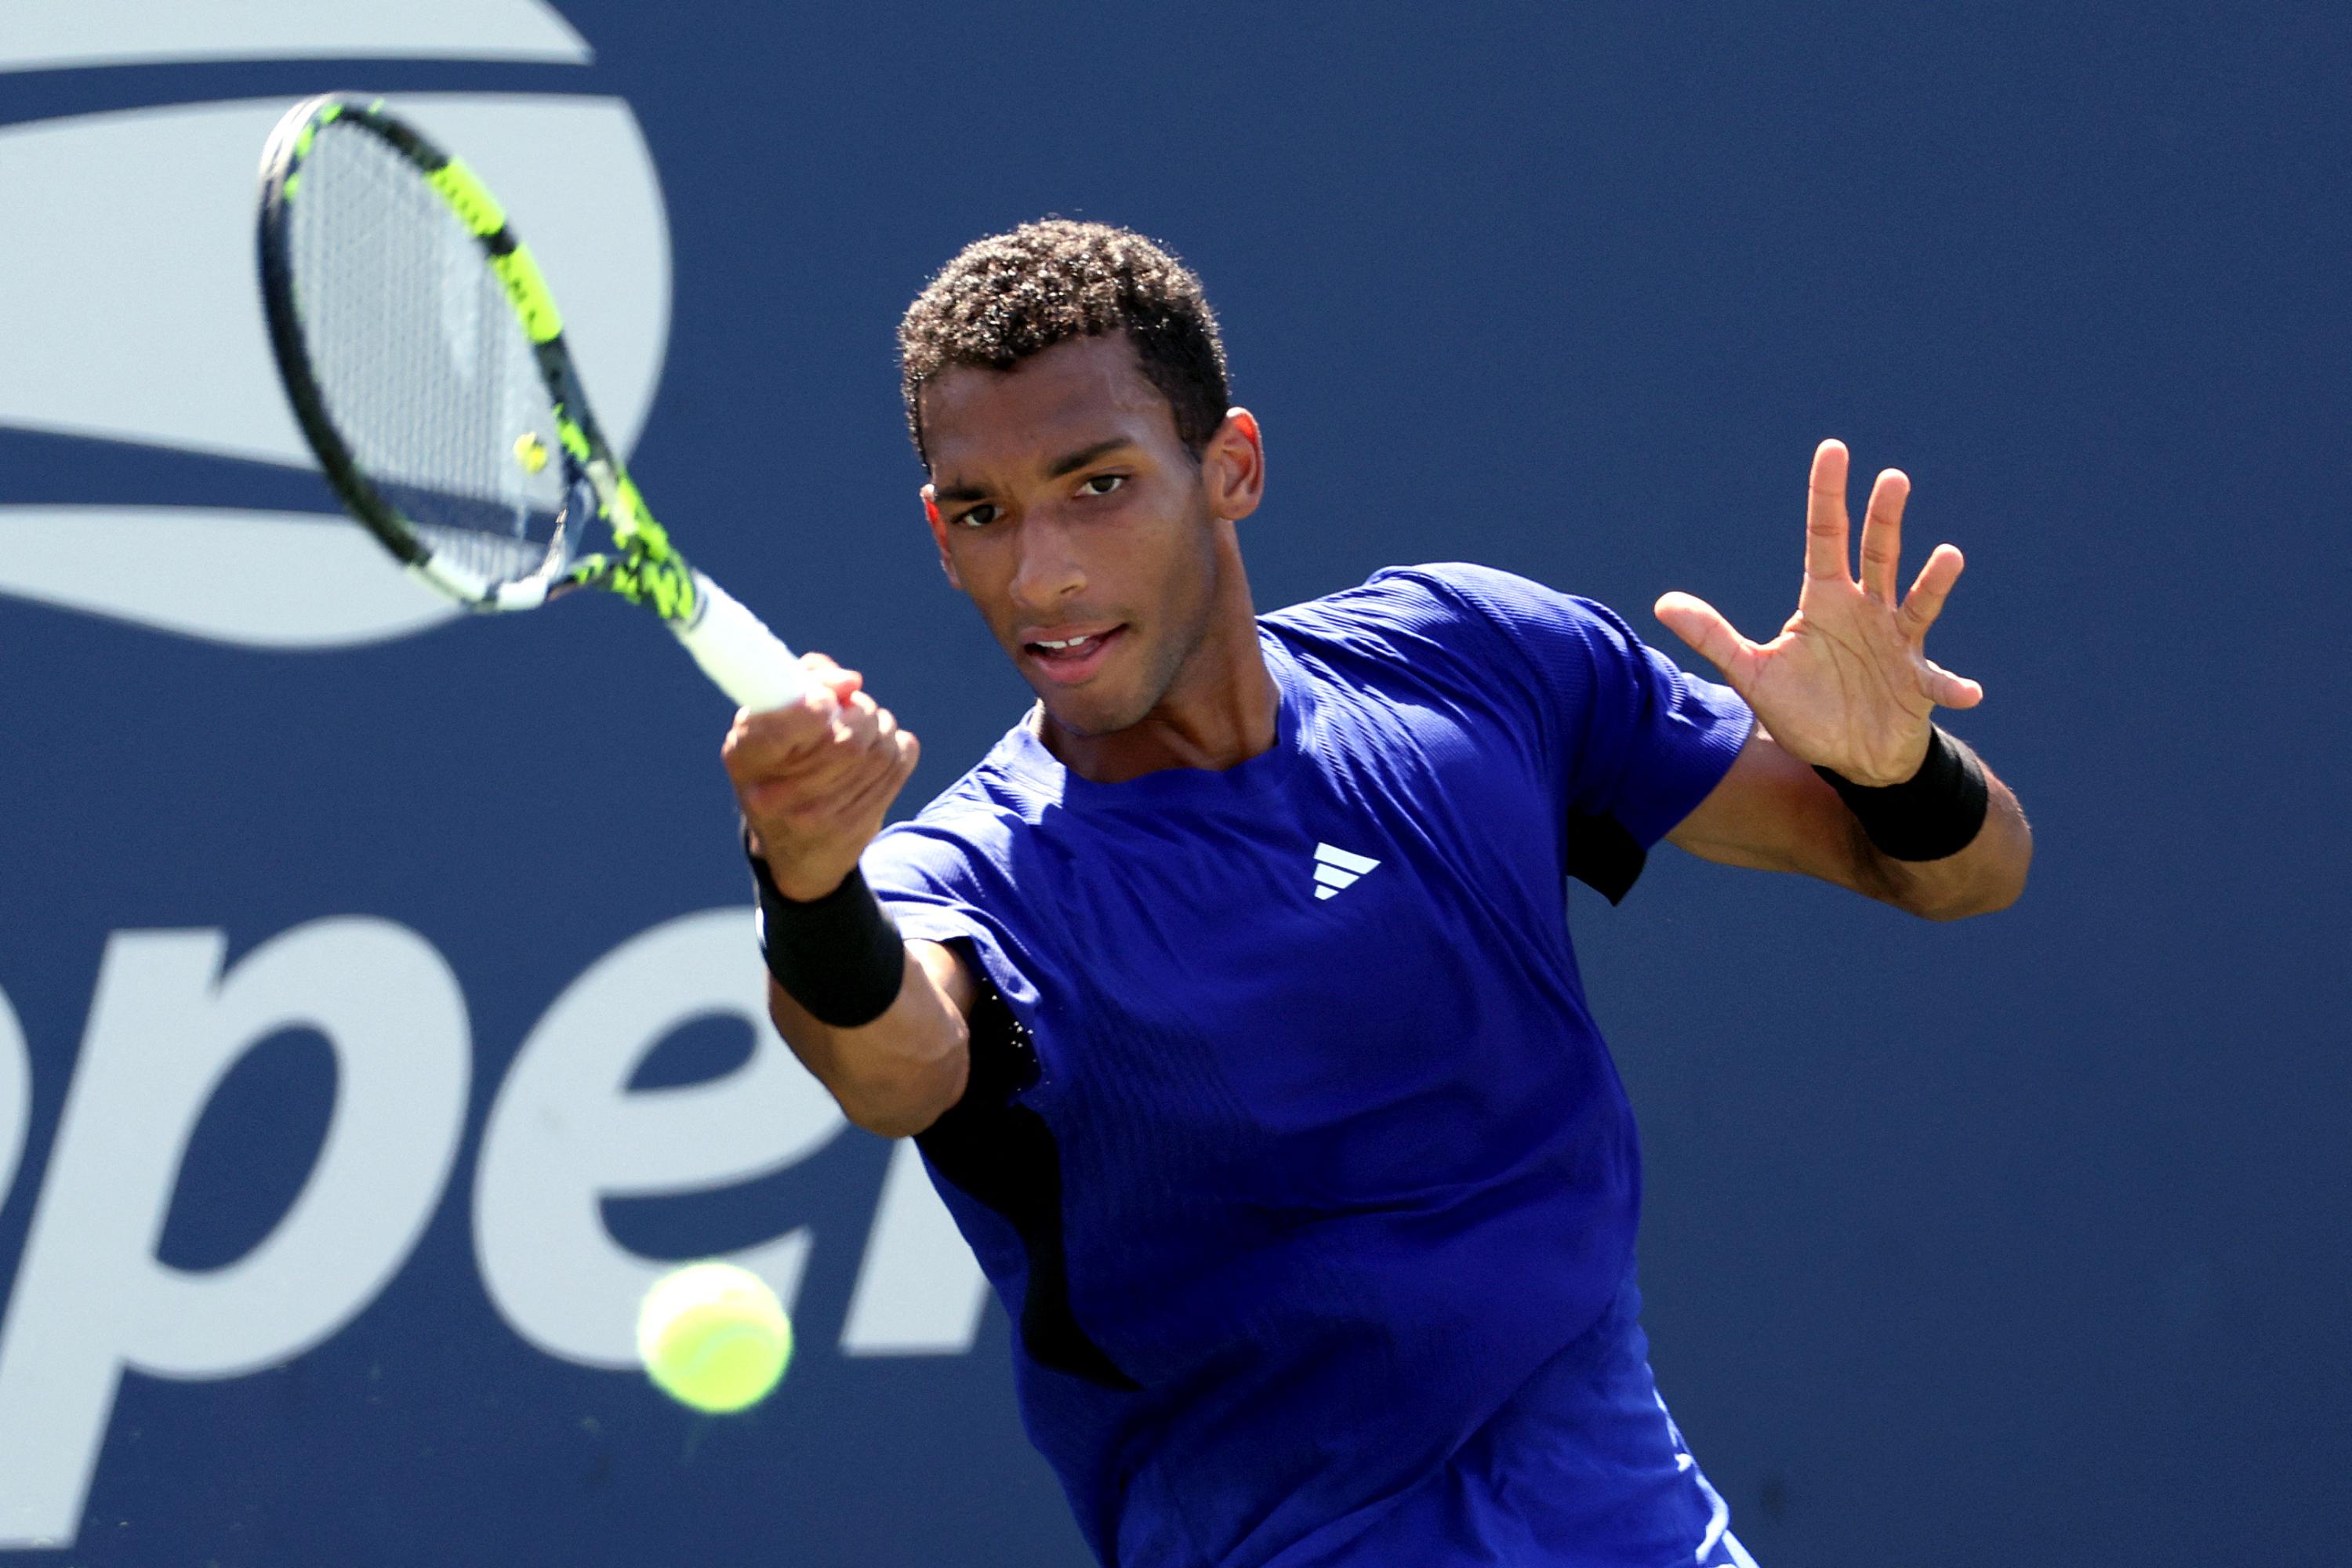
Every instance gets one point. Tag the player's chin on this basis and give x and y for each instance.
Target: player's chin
(1103, 706)
(1092, 718)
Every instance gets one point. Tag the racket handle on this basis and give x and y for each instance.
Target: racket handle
(738, 652)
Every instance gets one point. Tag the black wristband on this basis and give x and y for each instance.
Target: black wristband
(1936, 812)
(840, 956)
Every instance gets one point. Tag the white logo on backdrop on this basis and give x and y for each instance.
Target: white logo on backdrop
(171, 1015)
(128, 32)
(130, 309)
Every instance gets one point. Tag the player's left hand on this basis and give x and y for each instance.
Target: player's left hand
(1846, 685)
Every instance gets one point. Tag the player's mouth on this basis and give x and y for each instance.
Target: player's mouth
(1068, 655)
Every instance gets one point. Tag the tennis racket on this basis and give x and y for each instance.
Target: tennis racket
(424, 358)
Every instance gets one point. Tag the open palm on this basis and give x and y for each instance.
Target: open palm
(1847, 685)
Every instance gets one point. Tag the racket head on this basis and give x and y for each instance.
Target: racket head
(424, 356)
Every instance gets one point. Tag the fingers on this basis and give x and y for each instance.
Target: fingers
(858, 731)
(1882, 534)
(760, 741)
(836, 793)
(872, 796)
(1928, 592)
(1826, 520)
(816, 777)
(760, 745)
(811, 748)
(1948, 690)
(1702, 626)
(823, 670)
(851, 802)
(1920, 608)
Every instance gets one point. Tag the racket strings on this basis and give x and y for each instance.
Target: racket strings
(421, 362)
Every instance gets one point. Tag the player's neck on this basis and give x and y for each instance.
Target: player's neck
(1221, 709)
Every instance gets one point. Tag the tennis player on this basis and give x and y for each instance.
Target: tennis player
(1230, 997)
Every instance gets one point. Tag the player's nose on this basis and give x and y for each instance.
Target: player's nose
(1047, 571)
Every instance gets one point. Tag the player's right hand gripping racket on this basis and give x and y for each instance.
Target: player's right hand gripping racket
(425, 361)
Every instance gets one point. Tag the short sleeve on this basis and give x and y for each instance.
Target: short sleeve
(1634, 743)
(941, 883)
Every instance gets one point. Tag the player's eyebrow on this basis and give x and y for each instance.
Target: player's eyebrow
(1070, 464)
(1084, 455)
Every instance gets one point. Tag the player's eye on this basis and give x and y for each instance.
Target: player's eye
(1102, 484)
(979, 516)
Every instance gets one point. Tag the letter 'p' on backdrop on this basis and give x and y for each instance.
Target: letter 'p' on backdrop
(378, 1013)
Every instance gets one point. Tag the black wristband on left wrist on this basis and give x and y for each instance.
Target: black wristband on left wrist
(840, 956)
(1937, 812)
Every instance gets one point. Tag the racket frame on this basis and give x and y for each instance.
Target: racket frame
(734, 647)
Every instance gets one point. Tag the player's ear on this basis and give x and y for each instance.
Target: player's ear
(1233, 466)
(940, 537)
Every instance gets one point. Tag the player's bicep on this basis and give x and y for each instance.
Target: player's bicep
(950, 972)
(1772, 812)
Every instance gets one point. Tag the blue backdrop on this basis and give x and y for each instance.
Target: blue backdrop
(2020, 1241)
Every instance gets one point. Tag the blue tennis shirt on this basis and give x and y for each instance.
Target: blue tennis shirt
(1291, 1145)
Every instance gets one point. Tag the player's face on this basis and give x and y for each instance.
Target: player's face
(1067, 508)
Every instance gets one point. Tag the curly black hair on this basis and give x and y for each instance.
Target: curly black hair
(1009, 296)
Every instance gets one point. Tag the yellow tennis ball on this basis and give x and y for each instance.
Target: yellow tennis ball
(531, 452)
(713, 1336)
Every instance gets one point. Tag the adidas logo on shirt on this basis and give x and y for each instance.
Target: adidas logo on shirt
(1337, 870)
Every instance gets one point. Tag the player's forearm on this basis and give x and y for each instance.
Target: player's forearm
(896, 1075)
(1988, 875)
(815, 779)
(1774, 813)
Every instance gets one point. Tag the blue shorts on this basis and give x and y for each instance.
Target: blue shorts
(1581, 1467)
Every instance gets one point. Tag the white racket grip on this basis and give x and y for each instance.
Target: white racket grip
(738, 652)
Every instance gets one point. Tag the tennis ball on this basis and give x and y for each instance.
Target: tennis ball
(713, 1336)
(531, 452)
